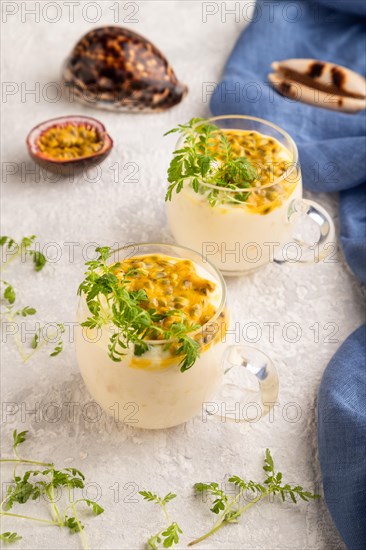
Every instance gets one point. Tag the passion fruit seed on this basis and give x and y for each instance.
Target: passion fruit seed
(70, 141)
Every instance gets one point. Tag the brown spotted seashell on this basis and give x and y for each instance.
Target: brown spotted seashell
(320, 84)
(116, 69)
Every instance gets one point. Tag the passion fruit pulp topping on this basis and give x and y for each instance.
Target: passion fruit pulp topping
(70, 141)
(170, 284)
(266, 154)
(271, 161)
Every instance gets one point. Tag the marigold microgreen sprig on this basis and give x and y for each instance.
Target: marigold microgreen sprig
(229, 508)
(169, 535)
(110, 302)
(10, 309)
(44, 481)
(206, 157)
(23, 249)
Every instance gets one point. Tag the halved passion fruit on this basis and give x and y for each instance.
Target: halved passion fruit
(69, 143)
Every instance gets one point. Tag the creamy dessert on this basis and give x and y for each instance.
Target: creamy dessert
(235, 212)
(172, 364)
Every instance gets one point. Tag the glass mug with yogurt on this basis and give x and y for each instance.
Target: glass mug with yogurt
(148, 389)
(238, 236)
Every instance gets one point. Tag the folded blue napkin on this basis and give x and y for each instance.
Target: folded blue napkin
(332, 150)
(342, 438)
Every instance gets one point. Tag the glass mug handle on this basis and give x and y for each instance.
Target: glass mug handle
(319, 217)
(250, 386)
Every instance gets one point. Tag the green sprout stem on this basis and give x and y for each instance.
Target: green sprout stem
(22, 490)
(221, 522)
(26, 461)
(54, 509)
(80, 527)
(168, 535)
(10, 317)
(12, 258)
(229, 509)
(20, 516)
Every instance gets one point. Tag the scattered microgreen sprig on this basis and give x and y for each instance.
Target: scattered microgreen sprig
(10, 312)
(167, 536)
(110, 302)
(23, 249)
(45, 481)
(206, 157)
(229, 508)
(41, 337)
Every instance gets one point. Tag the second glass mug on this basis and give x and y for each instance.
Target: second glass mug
(239, 238)
(150, 392)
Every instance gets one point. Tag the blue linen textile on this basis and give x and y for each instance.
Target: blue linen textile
(342, 438)
(332, 150)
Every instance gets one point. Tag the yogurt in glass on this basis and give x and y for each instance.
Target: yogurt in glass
(238, 236)
(149, 389)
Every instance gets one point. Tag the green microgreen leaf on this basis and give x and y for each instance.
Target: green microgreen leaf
(9, 537)
(150, 497)
(9, 293)
(169, 535)
(230, 508)
(27, 310)
(97, 509)
(206, 157)
(19, 438)
(73, 525)
(35, 340)
(39, 259)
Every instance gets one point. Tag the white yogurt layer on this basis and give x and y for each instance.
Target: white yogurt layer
(149, 391)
